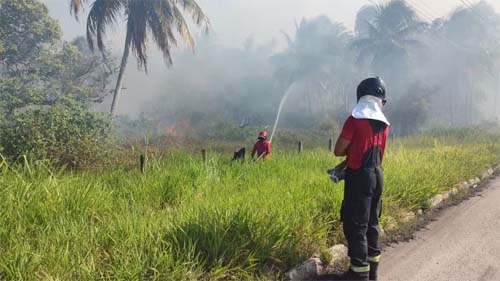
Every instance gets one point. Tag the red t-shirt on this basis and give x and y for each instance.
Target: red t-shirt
(368, 139)
(262, 147)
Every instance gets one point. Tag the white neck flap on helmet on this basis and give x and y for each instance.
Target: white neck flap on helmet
(370, 107)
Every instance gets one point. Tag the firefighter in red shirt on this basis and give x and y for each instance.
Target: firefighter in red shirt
(262, 147)
(363, 140)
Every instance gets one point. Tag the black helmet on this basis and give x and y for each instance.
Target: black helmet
(372, 87)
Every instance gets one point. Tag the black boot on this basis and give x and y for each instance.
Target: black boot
(373, 271)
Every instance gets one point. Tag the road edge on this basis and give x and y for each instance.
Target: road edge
(395, 230)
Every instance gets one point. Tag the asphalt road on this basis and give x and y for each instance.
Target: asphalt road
(462, 243)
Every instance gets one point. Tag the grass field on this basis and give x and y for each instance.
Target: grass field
(189, 220)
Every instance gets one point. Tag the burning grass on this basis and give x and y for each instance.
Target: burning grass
(187, 220)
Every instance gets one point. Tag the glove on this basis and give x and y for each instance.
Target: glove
(336, 176)
(338, 173)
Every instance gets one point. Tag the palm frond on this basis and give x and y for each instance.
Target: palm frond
(182, 27)
(102, 14)
(413, 43)
(159, 21)
(288, 39)
(196, 12)
(413, 28)
(164, 18)
(395, 15)
(362, 43)
(367, 13)
(373, 30)
(76, 6)
(138, 12)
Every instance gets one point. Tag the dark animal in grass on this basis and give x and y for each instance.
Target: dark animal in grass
(239, 155)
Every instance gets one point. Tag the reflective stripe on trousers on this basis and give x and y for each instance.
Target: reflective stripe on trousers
(374, 259)
(360, 269)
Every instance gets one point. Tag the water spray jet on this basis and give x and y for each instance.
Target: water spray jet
(282, 103)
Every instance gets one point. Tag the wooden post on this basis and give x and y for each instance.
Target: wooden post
(204, 155)
(300, 147)
(142, 163)
(330, 145)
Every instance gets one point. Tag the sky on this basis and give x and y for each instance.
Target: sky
(233, 21)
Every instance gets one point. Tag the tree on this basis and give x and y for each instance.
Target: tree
(386, 33)
(364, 19)
(463, 65)
(160, 18)
(93, 71)
(26, 30)
(317, 58)
(37, 68)
(47, 89)
(411, 111)
(18, 19)
(476, 30)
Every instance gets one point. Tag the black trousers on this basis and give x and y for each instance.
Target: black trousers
(360, 213)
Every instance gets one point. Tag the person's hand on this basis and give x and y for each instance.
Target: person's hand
(340, 167)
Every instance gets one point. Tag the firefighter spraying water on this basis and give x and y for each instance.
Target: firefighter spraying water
(262, 147)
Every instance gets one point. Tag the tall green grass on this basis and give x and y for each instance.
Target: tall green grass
(188, 220)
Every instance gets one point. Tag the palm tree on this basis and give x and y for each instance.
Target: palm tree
(385, 34)
(314, 58)
(158, 18)
(364, 18)
(474, 32)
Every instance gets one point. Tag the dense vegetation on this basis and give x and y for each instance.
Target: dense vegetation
(186, 219)
(48, 88)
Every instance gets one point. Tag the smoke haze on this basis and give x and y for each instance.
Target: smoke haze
(257, 49)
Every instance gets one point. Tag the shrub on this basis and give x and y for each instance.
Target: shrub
(68, 134)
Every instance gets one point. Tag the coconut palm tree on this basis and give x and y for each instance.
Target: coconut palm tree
(385, 34)
(160, 19)
(474, 58)
(315, 58)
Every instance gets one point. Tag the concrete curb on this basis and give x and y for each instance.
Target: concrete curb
(314, 267)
